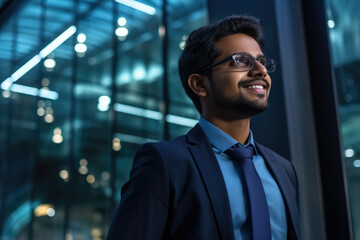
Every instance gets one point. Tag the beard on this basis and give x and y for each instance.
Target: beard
(240, 104)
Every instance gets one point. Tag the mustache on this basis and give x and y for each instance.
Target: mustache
(247, 82)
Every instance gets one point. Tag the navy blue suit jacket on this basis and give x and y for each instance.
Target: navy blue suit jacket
(176, 191)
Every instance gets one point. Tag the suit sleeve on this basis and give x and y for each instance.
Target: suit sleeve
(143, 209)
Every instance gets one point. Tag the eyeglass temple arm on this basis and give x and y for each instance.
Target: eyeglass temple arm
(214, 65)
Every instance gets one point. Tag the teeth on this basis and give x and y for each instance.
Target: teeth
(256, 86)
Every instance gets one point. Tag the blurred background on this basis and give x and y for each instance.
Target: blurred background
(85, 82)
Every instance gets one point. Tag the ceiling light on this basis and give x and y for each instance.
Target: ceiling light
(349, 152)
(102, 108)
(57, 41)
(24, 90)
(188, 122)
(83, 170)
(104, 100)
(44, 93)
(103, 103)
(40, 112)
(121, 32)
(133, 139)
(45, 82)
(49, 63)
(64, 174)
(57, 138)
(34, 91)
(80, 48)
(83, 162)
(6, 94)
(49, 118)
(116, 144)
(90, 178)
(138, 6)
(81, 38)
(331, 23)
(5, 85)
(50, 212)
(43, 210)
(356, 163)
(141, 112)
(121, 21)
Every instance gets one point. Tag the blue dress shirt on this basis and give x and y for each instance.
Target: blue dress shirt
(220, 142)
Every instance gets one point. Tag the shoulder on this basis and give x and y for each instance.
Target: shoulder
(164, 147)
(154, 164)
(162, 153)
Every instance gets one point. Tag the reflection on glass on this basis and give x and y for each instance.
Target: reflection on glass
(78, 99)
(138, 99)
(180, 26)
(344, 24)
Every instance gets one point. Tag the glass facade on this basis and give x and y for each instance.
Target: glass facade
(83, 84)
(344, 23)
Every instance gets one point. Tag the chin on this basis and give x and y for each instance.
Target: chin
(244, 105)
(252, 108)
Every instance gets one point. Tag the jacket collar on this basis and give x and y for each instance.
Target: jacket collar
(210, 171)
(288, 191)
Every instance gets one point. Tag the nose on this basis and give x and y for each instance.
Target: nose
(258, 70)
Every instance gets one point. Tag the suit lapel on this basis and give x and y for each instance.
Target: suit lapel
(283, 181)
(210, 171)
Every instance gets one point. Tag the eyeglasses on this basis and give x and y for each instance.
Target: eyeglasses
(246, 62)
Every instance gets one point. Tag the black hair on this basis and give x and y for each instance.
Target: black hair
(200, 50)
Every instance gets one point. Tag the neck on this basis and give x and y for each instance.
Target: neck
(238, 129)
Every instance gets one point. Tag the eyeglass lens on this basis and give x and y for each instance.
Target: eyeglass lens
(246, 62)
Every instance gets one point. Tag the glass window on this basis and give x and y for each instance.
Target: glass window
(52, 108)
(90, 126)
(138, 98)
(343, 27)
(89, 92)
(183, 18)
(20, 123)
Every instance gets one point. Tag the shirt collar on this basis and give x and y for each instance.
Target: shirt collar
(220, 139)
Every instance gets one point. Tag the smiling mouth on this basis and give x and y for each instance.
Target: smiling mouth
(258, 84)
(255, 86)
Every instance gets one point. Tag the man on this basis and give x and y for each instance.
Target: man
(201, 185)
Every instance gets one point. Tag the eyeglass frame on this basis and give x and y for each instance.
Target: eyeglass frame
(233, 58)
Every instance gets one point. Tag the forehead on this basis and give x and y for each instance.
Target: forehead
(237, 43)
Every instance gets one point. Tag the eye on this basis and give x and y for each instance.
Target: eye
(243, 61)
(263, 61)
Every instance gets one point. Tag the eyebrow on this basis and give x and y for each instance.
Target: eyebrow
(246, 53)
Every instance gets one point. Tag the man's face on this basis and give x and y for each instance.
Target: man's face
(239, 91)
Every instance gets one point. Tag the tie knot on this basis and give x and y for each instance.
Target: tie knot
(239, 153)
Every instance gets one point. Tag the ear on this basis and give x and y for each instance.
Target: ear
(197, 83)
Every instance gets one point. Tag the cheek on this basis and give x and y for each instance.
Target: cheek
(227, 83)
(269, 81)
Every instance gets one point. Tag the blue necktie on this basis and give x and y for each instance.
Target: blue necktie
(259, 211)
